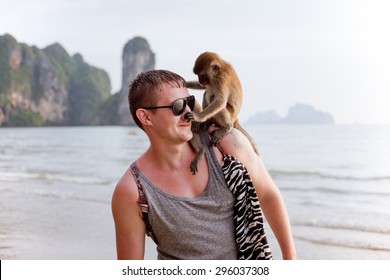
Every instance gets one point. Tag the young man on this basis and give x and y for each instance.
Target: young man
(190, 216)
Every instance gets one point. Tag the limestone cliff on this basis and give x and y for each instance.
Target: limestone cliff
(48, 86)
(137, 57)
(30, 90)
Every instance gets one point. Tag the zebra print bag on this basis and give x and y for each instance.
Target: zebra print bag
(248, 217)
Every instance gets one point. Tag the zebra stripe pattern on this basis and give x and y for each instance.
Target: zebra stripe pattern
(248, 216)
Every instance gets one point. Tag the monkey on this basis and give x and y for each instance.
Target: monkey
(221, 103)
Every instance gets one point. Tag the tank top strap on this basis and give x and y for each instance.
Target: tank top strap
(142, 201)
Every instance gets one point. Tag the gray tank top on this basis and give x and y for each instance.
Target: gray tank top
(193, 227)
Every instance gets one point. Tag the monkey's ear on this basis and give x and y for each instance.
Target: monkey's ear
(215, 66)
(143, 116)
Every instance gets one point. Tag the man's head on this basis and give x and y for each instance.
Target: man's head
(144, 89)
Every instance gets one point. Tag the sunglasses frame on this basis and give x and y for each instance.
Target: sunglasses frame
(189, 100)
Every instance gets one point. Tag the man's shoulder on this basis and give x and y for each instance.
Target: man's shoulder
(126, 188)
(234, 143)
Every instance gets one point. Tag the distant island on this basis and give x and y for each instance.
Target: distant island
(297, 114)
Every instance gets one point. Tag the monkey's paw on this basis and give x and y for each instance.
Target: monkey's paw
(189, 116)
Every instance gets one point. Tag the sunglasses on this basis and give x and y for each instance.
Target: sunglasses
(178, 106)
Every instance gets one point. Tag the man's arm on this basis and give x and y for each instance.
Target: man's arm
(129, 226)
(237, 145)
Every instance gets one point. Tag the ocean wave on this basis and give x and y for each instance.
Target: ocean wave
(323, 175)
(373, 193)
(336, 190)
(351, 227)
(353, 245)
(52, 177)
(356, 236)
(15, 176)
(57, 195)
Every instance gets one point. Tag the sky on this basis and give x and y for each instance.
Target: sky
(330, 54)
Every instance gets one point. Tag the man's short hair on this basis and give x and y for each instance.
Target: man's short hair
(144, 88)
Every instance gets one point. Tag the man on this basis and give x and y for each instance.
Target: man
(190, 216)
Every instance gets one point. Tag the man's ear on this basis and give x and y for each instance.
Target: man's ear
(143, 116)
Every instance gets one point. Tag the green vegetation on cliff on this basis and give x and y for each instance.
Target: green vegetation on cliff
(5, 68)
(62, 62)
(25, 117)
(48, 87)
(87, 93)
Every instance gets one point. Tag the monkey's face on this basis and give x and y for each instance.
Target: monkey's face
(203, 79)
(207, 67)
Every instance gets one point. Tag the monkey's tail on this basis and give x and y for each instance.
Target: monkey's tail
(240, 128)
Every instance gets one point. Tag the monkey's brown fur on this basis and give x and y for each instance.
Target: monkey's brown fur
(222, 100)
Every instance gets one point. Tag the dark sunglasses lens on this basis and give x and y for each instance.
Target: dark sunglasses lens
(191, 102)
(178, 107)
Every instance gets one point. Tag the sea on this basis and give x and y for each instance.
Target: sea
(56, 185)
